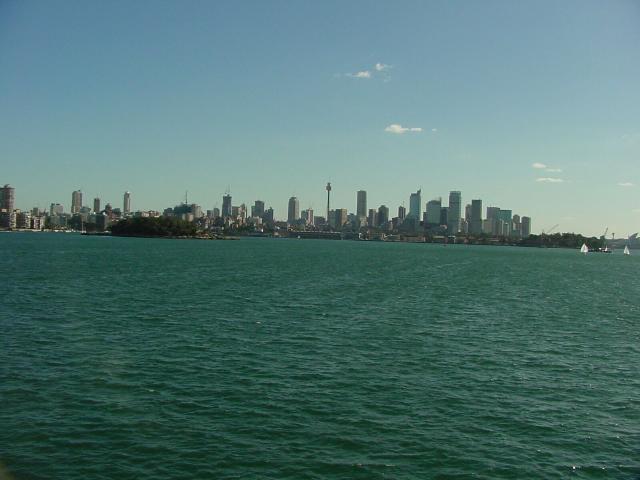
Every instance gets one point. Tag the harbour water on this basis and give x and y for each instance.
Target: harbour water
(292, 359)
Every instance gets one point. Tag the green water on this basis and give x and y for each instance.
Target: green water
(292, 359)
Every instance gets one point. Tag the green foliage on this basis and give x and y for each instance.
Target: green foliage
(563, 240)
(154, 227)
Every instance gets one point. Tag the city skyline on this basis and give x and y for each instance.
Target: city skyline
(538, 112)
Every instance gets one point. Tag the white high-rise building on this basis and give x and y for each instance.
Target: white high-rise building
(455, 212)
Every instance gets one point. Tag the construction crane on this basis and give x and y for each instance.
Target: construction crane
(604, 235)
(549, 231)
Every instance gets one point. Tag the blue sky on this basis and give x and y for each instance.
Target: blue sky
(274, 98)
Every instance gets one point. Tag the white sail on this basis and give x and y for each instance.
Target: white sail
(584, 248)
(626, 250)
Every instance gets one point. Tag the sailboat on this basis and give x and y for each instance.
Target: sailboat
(626, 250)
(584, 249)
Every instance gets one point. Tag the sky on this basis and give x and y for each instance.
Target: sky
(533, 106)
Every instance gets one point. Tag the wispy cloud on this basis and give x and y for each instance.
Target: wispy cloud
(434, 130)
(546, 168)
(378, 70)
(625, 184)
(549, 180)
(399, 129)
(362, 74)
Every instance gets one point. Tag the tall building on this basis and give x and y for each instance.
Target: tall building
(372, 220)
(455, 212)
(294, 210)
(226, 206)
(415, 205)
(433, 212)
(361, 208)
(383, 215)
(340, 217)
(309, 216)
(402, 212)
(444, 216)
(268, 216)
(257, 210)
(126, 204)
(96, 205)
(475, 222)
(525, 226)
(76, 201)
(7, 198)
(56, 209)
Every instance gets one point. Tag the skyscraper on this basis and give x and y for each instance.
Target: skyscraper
(475, 225)
(258, 209)
(76, 201)
(7, 198)
(294, 210)
(455, 211)
(402, 212)
(96, 205)
(383, 215)
(126, 204)
(525, 226)
(433, 212)
(361, 209)
(415, 205)
(340, 217)
(226, 205)
(372, 221)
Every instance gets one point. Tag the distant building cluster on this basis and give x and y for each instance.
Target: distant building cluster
(435, 219)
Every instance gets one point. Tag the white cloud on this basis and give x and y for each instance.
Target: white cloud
(538, 165)
(636, 210)
(626, 184)
(380, 67)
(434, 130)
(362, 74)
(553, 170)
(399, 129)
(549, 180)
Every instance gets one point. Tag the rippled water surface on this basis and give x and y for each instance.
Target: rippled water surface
(292, 359)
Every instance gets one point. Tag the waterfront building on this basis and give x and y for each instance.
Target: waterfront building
(526, 226)
(402, 212)
(23, 220)
(294, 210)
(7, 198)
(372, 218)
(340, 217)
(444, 216)
(76, 201)
(309, 219)
(516, 226)
(56, 209)
(467, 212)
(361, 207)
(455, 211)
(475, 221)
(257, 210)
(268, 216)
(96, 205)
(415, 205)
(226, 206)
(126, 204)
(383, 215)
(434, 208)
